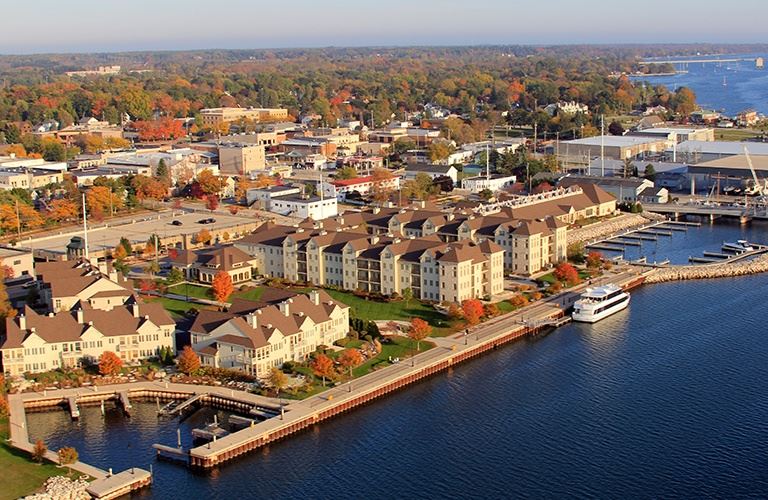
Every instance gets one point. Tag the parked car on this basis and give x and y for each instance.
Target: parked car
(176, 222)
(209, 220)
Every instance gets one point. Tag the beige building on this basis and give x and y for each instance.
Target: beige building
(18, 262)
(256, 336)
(64, 284)
(215, 116)
(241, 159)
(204, 265)
(36, 343)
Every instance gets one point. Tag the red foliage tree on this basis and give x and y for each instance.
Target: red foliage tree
(594, 259)
(211, 202)
(147, 286)
(566, 273)
(160, 130)
(472, 310)
(322, 366)
(110, 363)
(188, 361)
(418, 331)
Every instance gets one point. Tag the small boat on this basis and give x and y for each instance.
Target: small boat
(599, 302)
(739, 247)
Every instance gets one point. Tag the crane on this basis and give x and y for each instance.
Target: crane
(758, 186)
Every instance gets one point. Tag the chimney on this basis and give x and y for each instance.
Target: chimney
(450, 216)
(285, 307)
(314, 296)
(80, 316)
(376, 210)
(396, 240)
(32, 329)
(135, 310)
(252, 320)
(22, 322)
(374, 240)
(341, 221)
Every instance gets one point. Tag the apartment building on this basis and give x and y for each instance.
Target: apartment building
(17, 262)
(64, 284)
(256, 336)
(215, 116)
(35, 343)
(241, 158)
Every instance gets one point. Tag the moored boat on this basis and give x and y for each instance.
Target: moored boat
(599, 302)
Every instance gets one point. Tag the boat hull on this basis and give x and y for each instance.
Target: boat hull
(595, 317)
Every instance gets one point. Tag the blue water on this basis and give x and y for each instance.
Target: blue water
(747, 86)
(666, 399)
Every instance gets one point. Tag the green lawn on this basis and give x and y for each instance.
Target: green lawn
(505, 307)
(724, 134)
(23, 476)
(177, 308)
(190, 290)
(252, 294)
(397, 311)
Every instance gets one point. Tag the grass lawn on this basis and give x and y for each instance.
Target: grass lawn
(397, 311)
(505, 307)
(252, 294)
(177, 308)
(23, 476)
(190, 290)
(724, 134)
(547, 278)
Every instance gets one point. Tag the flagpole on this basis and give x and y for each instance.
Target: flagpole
(85, 228)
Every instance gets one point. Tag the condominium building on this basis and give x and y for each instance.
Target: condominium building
(64, 284)
(35, 343)
(216, 116)
(204, 265)
(256, 336)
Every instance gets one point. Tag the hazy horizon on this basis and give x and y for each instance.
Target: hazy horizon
(80, 26)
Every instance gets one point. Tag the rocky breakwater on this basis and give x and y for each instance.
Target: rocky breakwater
(724, 270)
(62, 488)
(611, 227)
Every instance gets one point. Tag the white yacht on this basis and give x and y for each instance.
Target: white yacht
(599, 302)
(738, 247)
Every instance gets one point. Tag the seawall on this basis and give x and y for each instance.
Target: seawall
(679, 273)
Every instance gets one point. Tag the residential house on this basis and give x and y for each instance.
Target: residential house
(203, 265)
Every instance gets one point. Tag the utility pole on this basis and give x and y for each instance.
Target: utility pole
(602, 146)
(18, 220)
(85, 228)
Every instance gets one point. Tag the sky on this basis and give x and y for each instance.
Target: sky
(35, 26)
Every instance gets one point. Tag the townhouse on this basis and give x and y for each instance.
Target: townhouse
(256, 336)
(203, 265)
(63, 284)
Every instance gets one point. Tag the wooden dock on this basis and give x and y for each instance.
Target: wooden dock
(120, 484)
(74, 411)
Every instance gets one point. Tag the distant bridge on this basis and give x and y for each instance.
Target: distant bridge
(712, 211)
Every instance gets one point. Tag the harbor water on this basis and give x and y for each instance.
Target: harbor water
(665, 399)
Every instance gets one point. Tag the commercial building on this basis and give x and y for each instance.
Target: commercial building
(256, 336)
(203, 265)
(35, 343)
(694, 152)
(614, 146)
(493, 182)
(676, 135)
(364, 186)
(625, 190)
(433, 171)
(212, 117)
(240, 159)
(28, 178)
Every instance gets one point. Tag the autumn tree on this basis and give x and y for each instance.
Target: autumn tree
(381, 180)
(490, 310)
(350, 358)
(204, 237)
(567, 274)
(39, 451)
(440, 150)
(241, 189)
(594, 260)
(62, 209)
(6, 309)
(472, 310)
(101, 200)
(188, 361)
(322, 366)
(149, 188)
(346, 172)
(263, 181)
(277, 379)
(68, 455)
(222, 286)
(110, 363)
(209, 183)
(211, 202)
(19, 216)
(419, 330)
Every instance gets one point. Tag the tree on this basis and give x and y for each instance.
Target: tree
(149, 188)
(39, 451)
(419, 330)
(222, 286)
(349, 359)
(650, 173)
(277, 379)
(209, 183)
(594, 260)
(126, 244)
(346, 172)
(204, 237)
(567, 274)
(381, 188)
(322, 366)
(174, 276)
(62, 209)
(407, 295)
(211, 202)
(110, 363)
(490, 310)
(440, 150)
(101, 200)
(6, 309)
(472, 310)
(486, 194)
(615, 128)
(68, 455)
(188, 361)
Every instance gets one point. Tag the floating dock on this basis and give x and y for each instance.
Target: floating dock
(210, 432)
(74, 411)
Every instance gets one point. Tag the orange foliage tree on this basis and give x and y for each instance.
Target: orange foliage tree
(350, 358)
(148, 188)
(110, 363)
(22, 216)
(322, 366)
(222, 286)
(160, 130)
(100, 200)
(472, 309)
(418, 331)
(62, 209)
(566, 273)
(188, 361)
(594, 260)
(204, 236)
